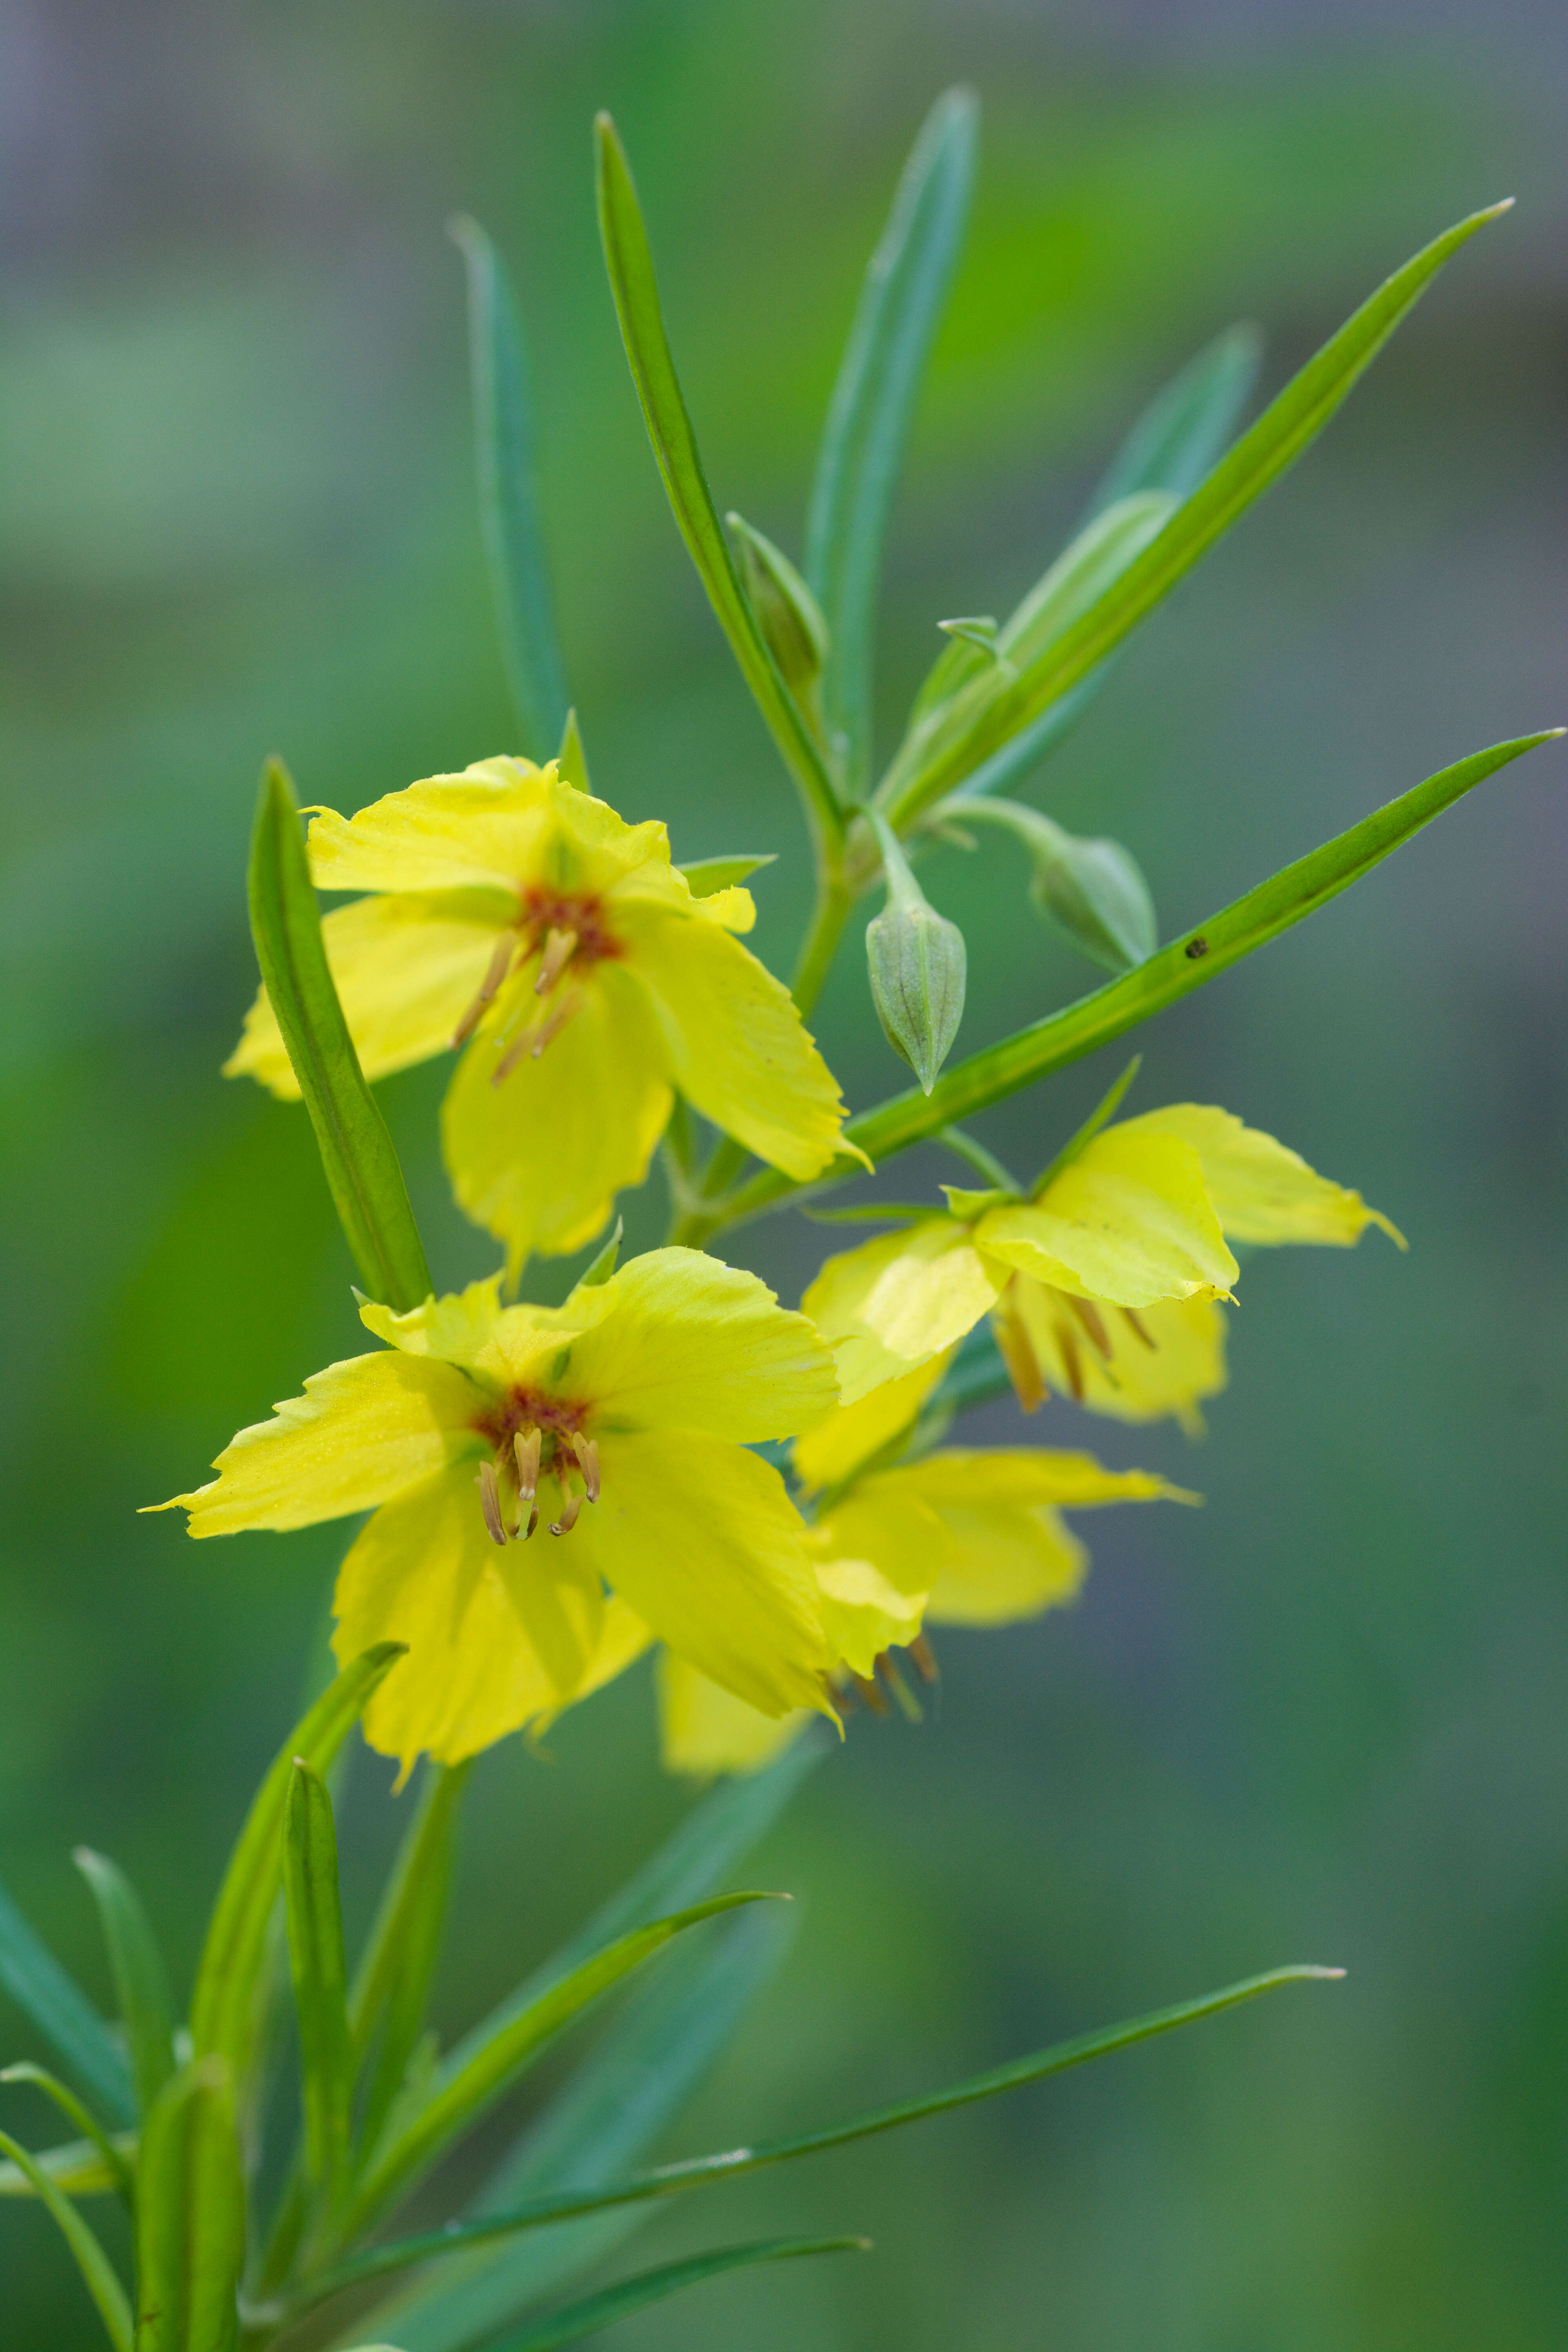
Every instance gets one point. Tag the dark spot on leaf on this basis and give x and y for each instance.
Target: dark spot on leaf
(1195, 947)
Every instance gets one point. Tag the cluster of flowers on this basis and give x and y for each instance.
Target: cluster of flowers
(554, 1490)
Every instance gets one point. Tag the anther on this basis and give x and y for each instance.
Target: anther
(587, 1455)
(500, 965)
(525, 1444)
(924, 1658)
(1093, 1322)
(490, 1503)
(1013, 1345)
(559, 949)
(1140, 1330)
(534, 1041)
(568, 1520)
(1067, 1340)
(869, 1693)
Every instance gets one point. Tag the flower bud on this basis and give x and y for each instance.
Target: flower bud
(1093, 889)
(917, 963)
(788, 615)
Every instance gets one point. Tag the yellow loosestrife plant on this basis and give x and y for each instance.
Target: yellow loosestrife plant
(672, 1458)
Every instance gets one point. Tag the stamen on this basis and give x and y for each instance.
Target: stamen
(1067, 1340)
(568, 1520)
(868, 1694)
(1013, 1346)
(1093, 1322)
(525, 1444)
(559, 949)
(1141, 1331)
(500, 965)
(490, 1503)
(909, 1705)
(587, 1455)
(924, 1658)
(524, 1532)
(534, 1041)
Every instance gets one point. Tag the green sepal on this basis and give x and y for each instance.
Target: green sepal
(140, 1980)
(357, 1153)
(917, 964)
(707, 874)
(1104, 1111)
(572, 761)
(506, 448)
(602, 1264)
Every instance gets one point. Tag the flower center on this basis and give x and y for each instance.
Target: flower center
(533, 1436)
(563, 929)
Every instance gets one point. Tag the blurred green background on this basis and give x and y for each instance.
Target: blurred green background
(1324, 1719)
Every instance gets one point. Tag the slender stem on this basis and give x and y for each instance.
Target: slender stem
(835, 899)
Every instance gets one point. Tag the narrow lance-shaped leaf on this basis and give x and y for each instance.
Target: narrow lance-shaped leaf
(700, 2171)
(78, 2167)
(98, 2272)
(141, 1981)
(630, 266)
(506, 448)
(487, 2063)
(1188, 963)
(115, 2164)
(1172, 446)
(394, 1974)
(222, 2004)
(357, 1154)
(873, 402)
(601, 2121)
(190, 2216)
(62, 2014)
(1284, 429)
(316, 1964)
(611, 2304)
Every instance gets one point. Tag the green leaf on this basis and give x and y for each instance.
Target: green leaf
(491, 2059)
(398, 1963)
(316, 1963)
(190, 2216)
(506, 445)
(96, 2270)
(1172, 446)
(78, 2167)
(698, 2172)
(613, 2302)
(1077, 582)
(116, 2169)
(1181, 434)
(222, 2004)
(63, 2014)
(362, 1174)
(857, 467)
(710, 874)
(632, 283)
(140, 1980)
(1272, 445)
(1248, 923)
(606, 2114)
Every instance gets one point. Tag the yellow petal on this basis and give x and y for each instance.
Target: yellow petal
(1165, 1361)
(733, 908)
(736, 1045)
(864, 1613)
(899, 1301)
(363, 1430)
(425, 1572)
(1009, 1560)
(885, 1520)
(407, 968)
(539, 1159)
(1262, 1191)
(683, 1341)
(704, 1730)
(701, 1538)
(503, 825)
(960, 1475)
(854, 1433)
(458, 1329)
(1130, 1220)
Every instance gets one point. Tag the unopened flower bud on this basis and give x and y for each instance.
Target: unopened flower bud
(1093, 889)
(788, 615)
(918, 964)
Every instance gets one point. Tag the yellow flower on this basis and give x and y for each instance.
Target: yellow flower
(620, 1422)
(1104, 1284)
(964, 1538)
(515, 911)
